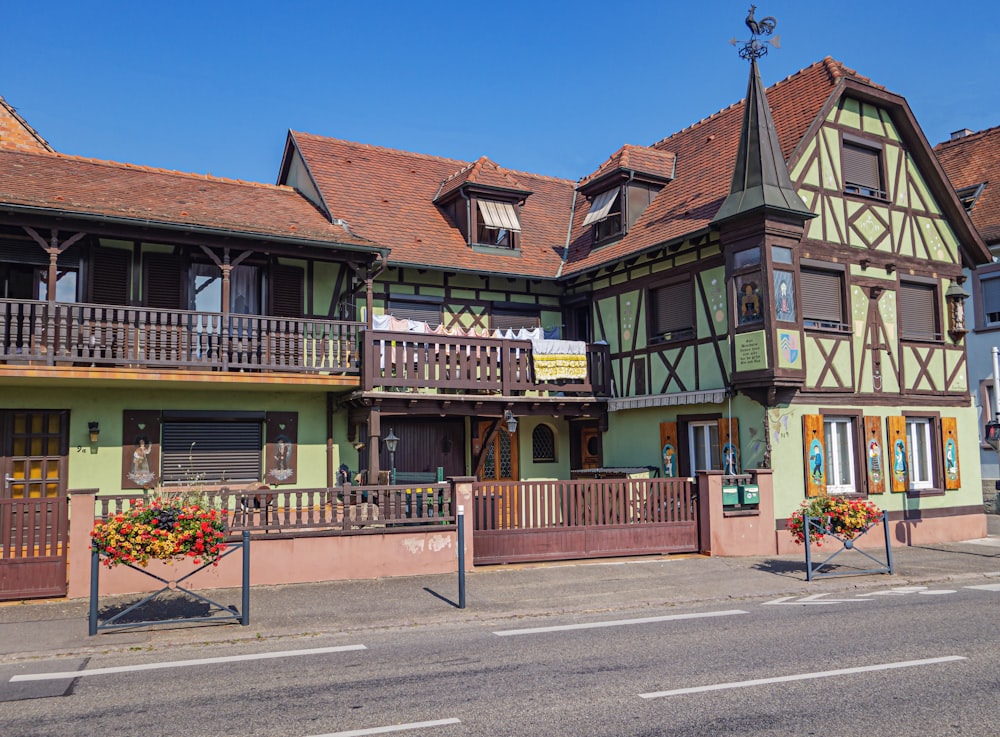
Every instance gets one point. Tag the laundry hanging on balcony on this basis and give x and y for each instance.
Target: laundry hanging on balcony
(559, 359)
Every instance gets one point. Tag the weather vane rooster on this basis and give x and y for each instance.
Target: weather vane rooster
(756, 47)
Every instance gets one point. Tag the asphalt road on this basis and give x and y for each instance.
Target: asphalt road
(905, 661)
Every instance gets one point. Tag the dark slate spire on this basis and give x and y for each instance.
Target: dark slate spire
(760, 179)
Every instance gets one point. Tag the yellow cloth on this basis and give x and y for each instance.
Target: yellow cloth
(557, 366)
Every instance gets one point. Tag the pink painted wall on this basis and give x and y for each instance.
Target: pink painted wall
(735, 533)
(280, 561)
(906, 532)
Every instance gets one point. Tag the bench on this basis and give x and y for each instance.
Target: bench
(417, 477)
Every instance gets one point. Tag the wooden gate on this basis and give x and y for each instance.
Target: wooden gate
(522, 521)
(33, 538)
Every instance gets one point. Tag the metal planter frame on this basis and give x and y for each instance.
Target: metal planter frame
(218, 612)
(814, 572)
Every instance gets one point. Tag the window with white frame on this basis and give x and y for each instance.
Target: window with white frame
(703, 440)
(921, 448)
(990, 292)
(839, 436)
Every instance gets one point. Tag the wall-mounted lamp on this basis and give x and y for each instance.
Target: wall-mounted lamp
(511, 421)
(94, 428)
(956, 296)
(391, 443)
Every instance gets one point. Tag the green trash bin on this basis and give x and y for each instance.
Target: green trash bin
(749, 495)
(730, 496)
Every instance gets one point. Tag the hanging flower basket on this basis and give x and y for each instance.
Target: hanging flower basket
(838, 516)
(161, 529)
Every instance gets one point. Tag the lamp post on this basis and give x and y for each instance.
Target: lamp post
(391, 443)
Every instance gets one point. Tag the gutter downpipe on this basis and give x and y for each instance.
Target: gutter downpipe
(996, 390)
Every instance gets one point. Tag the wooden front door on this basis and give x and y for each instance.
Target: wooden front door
(33, 505)
(590, 447)
(500, 462)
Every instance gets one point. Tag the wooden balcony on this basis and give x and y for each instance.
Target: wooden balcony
(411, 361)
(102, 335)
(76, 334)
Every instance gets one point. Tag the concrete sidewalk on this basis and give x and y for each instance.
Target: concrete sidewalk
(496, 595)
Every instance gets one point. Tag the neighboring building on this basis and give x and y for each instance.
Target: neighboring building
(972, 163)
(16, 134)
(766, 288)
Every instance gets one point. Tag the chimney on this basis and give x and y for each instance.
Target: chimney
(960, 134)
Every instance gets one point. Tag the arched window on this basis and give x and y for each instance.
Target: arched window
(543, 445)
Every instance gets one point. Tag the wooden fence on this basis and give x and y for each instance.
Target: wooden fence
(342, 510)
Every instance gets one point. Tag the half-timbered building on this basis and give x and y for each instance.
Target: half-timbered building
(772, 287)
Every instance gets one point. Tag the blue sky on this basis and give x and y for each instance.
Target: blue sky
(549, 87)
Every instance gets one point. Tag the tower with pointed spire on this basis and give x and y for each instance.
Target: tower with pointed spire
(761, 222)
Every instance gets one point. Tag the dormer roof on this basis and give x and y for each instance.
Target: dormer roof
(651, 164)
(486, 175)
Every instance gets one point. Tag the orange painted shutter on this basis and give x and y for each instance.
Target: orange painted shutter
(949, 445)
(898, 454)
(729, 445)
(875, 455)
(814, 450)
(668, 449)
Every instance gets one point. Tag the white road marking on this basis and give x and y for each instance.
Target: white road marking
(801, 677)
(811, 599)
(936, 592)
(898, 591)
(393, 728)
(616, 623)
(184, 663)
(986, 587)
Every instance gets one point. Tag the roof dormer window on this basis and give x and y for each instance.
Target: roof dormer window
(497, 223)
(605, 214)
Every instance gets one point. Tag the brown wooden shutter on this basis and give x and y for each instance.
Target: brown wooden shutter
(281, 455)
(822, 297)
(286, 290)
(874, 455)
(429, 312)
(949, 447)
(898, 456)
(162, 285)
(110, 276)
(729, 438)
(672, 309)
(917, 312)
(140, 448)
(861, 167)
(501, 319)
(814, 451)
(668, 450)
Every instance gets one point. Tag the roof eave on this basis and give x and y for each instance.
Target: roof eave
(190, 228)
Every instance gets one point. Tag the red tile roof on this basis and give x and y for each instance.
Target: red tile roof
(975, 159)
(706, 155)
(388, 196)
(133, 193)
(16, 134)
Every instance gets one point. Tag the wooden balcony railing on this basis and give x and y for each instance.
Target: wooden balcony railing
(102, 335)
(417, 360)
(61, 333)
